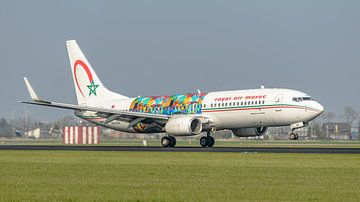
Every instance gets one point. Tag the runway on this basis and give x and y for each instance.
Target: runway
(304, 150)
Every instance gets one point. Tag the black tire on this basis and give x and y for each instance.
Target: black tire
(165, 141)
(296, 136)
(292, 136)
(203, 141)
(211, 141)
(172, 141)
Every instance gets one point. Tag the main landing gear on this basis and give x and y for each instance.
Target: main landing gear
(168, 141)
(207, 141)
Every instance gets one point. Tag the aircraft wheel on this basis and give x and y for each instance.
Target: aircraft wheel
(165, 141)
(211, 141)
(292, 136)
(296, 136)
(172, 141)
(204, 141)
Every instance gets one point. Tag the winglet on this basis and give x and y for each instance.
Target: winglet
(32, 93)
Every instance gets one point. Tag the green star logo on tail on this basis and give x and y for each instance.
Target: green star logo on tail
(92, 87)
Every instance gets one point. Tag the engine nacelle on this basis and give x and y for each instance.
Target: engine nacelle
(183, 126)
(249, 132)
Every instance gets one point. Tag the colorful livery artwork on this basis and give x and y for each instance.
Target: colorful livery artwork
(175, 104)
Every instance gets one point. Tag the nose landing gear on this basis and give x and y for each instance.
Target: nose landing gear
(294, 126)
(293, 135)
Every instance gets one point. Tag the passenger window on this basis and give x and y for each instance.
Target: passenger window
(230, 104)
(256, 102)
(204, 105)
(238, 103)
(222, 104)
(242, 103)
(252, 102)
(248, 103)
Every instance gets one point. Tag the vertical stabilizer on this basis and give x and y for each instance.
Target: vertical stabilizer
(88, 87)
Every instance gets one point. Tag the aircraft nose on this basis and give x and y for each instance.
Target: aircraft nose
(319, 107)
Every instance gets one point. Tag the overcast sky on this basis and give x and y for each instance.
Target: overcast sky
(165, 47)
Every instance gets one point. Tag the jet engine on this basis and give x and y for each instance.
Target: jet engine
(183, 126)
(249, 132)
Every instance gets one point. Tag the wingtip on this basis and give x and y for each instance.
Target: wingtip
(31, 91)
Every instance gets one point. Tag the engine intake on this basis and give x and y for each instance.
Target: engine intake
(249, 132)
(183, 126)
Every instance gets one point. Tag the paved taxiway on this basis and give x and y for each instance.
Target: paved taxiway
(187, 149)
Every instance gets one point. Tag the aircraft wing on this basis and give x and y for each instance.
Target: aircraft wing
(97, 109)
(110, 113)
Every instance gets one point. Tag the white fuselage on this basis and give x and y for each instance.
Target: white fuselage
(234, 109)
(259, 107)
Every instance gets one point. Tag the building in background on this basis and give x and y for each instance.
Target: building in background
(355, 133)
(35, 134)
(337, 130)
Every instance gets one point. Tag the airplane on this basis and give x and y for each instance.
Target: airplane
(247, 113)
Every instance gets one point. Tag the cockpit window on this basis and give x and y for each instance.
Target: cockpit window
(300, 99)
(306, 98)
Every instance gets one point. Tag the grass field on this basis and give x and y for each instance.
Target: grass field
(151, 176)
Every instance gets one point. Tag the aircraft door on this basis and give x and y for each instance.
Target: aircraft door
(278, 99)
(277, 115)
